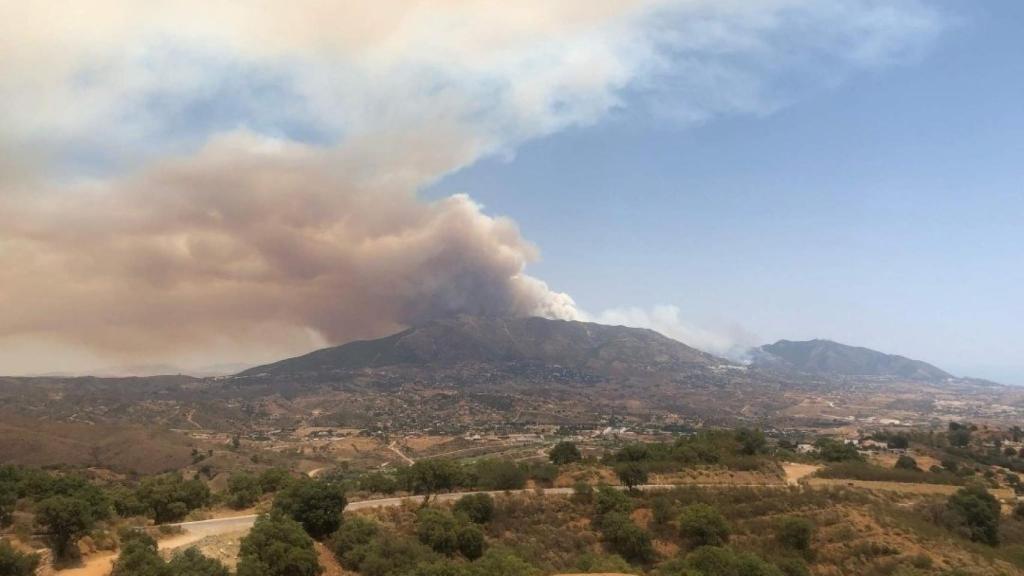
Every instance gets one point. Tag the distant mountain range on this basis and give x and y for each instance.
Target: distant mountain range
(472, 339)
(827, 358)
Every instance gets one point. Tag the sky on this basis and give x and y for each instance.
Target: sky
(197, 185)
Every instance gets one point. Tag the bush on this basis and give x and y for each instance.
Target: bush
(565, 453)
(905, 462)
(795, 533)
(500, 475)
(16, 563)
(437, 530)
(977, 512)
(277, 546)
(470, 542)
(389, 554)
(315, 504)
(662, 510)
(714, 561)
(626, 538)
(582, 492)
(501, 563)
(478, 508)
(608, 500)
(191, 562)
(702, 525)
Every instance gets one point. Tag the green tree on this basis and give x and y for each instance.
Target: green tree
(470, 541)
(703, 525)
(500, 475)
(244, 490)
(316, 504)
(389, 554)
(16, 563)
(977, 512)
(631, 474)
(67, 519)
(378, 483)
(565, 453)
(429, 477)
(795, 533)
(752, 441)
(437, 530)
(139, 556)
(274, 479)
(348, 543)
(832, 450)
(170, 498)
(277, 546)
(478, 508)
(662, 510)
(959, 435)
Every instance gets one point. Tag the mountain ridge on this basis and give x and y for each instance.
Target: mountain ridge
(826, 357)
(494, 340)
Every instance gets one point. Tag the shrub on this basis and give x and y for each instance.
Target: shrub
(715, 561)
(631, 474)
(16, 563)
(437, 530)
(703, 525)
(191, 562)
(978, 512)
(795, 533)
(470, 542)
(315, 504)
(905, 462)
(608, 500)
(500, 475)
(378, 483)
(274, 479)
(626, 538)
(170, 498)
(582, 492)
(478, 508)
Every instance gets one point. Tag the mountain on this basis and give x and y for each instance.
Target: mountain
(824, 357)
(489, 340)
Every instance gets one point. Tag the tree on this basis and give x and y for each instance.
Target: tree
(378, 483)
(631, 474)
(795, 533)
(978, 513)
(274, 479)
(316, 504)
(16, 563)
(752, 441)
(959, 435)
(139, 556)
(428, 477)
(582, 492)
(478, 508)
(470, 541)
(437, 530)
(170, 498)
(500, 475)
(832, 450)
(662, 510)
(388, 554)
(565, 453)
(277, 546)
(355, 533)
(8, 498)
(703, 525)
(67, 520)
(905, 462)
(243, 490)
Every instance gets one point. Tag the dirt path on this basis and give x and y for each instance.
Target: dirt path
(95, 565)
(796, 472)
(394, 449)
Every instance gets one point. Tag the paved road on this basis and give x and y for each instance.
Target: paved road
(203, 528)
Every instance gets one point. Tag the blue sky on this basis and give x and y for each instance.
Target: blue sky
(209, 184)
(886, 212)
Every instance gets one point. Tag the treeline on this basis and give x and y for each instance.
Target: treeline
(433, 476)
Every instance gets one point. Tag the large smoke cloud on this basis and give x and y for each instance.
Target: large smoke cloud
(250, 236)
(218, 180)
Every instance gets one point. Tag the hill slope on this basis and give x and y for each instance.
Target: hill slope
(471, 339)
(824, 357)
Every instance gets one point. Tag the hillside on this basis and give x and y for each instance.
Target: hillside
(471, 339)
(824, 357)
